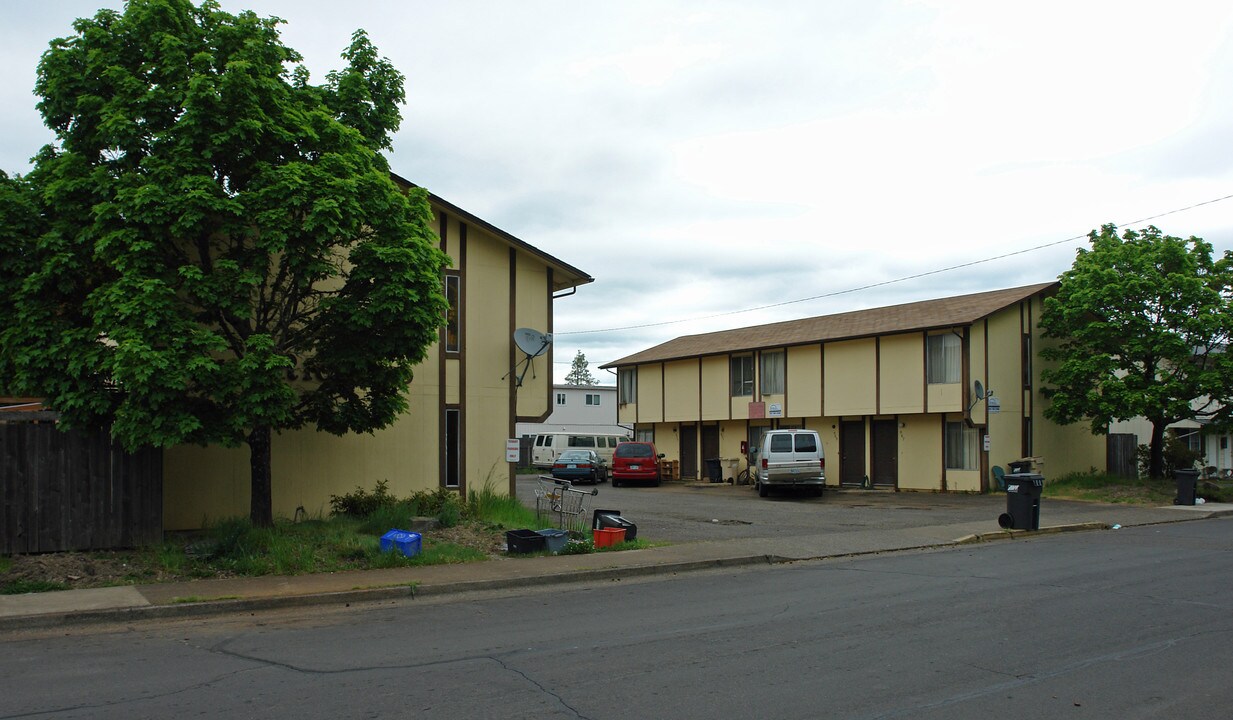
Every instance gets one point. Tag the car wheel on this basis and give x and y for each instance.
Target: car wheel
(817, 492)
(655, 483)
(616, 483)
(763, 490)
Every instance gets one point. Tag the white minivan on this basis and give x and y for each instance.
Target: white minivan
(789, 458)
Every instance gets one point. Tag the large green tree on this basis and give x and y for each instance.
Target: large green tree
(579, 371)
(1142, 324)
(213, 249)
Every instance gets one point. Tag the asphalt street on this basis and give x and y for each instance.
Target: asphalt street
(1116, 624)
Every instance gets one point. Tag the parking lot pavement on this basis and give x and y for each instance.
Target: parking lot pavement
(689, 512)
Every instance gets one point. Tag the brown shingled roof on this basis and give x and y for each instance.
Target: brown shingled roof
(923, 315)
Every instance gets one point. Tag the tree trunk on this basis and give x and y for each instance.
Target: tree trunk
(1155, 467)
(261, 503)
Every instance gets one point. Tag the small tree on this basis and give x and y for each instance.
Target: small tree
(214, 250)
(579, 374)
(1142, 323)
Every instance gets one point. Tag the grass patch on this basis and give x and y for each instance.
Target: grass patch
(1101, 487)
(19, 587)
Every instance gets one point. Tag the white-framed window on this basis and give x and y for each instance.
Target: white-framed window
(560, 398)
(592, 398)
(962, 446)
(644, 435)
(627, 385)
(772, 378)
(944, 359)
(742, 375)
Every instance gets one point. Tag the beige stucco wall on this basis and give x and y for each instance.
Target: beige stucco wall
(920, 452)
(681, 390)
(828, 433)
(804, 381)
(901, 373)
(850, 373)
(206, 484)
(715, 404)
(651, 393)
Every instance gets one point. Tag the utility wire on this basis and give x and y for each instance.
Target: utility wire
(889, 282)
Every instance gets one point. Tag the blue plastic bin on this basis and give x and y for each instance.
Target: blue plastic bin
(405, 542)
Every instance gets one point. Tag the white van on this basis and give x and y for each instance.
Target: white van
(789, 458)
(547, 446)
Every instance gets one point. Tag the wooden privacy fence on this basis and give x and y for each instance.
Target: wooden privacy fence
(1120, 457)
(75, 490)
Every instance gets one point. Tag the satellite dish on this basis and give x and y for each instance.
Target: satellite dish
(533, 343)
(980, 391)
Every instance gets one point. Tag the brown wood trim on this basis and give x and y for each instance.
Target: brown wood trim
(663, 398)
(700, 413)
(942, 419)
(822, 378)
(441, 468)
(984, 454)
(785, 388)
(462, 359)
(924, 366)
(548, 399)
(511, 429)
(877, 376)
(965, 371)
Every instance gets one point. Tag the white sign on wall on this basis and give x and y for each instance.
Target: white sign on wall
(986, 443)
(511, 450)
(774, 410)
(994, 405)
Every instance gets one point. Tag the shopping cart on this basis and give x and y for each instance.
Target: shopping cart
(559, 502)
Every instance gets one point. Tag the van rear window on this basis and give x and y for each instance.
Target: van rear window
(806, 443)
(781, 443)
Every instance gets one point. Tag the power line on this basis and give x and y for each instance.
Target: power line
(905, 278)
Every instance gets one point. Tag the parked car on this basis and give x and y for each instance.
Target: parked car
(635, 462)
(789, 458)
(580, 465)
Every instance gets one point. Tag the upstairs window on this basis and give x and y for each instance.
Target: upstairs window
(742, 376)
(560, 398)
(772, 373)
(627, 384)
(944, 359)
(592, 398)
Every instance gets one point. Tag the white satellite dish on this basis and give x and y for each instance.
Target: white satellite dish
(533, 343)
(980, 391)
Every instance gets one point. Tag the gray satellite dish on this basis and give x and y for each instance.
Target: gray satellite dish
(980, 391)
(533, 343)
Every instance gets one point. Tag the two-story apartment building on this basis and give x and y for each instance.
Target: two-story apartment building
(465, 400)
(891, 391)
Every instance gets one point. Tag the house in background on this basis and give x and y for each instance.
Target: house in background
(465, 400)
(579, 408)
(1213, 446)
(891, 391)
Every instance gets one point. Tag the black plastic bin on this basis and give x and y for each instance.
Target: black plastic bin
(1022, 501)
(1186, 480)
(525, 541)
(611, 519)
(714, 469)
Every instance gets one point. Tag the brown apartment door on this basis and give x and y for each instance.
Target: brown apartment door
(885, 451)
(689, 452)
(852, 452)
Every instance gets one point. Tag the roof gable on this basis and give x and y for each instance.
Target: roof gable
(922, 315)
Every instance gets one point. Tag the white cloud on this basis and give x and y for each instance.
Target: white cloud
(702, 159)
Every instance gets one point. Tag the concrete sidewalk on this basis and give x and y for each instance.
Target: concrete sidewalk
(203, 597)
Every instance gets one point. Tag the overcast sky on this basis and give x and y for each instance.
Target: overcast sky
(700, 160)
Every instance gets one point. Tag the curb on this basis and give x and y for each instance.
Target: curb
(1013, 534)
(399, 592)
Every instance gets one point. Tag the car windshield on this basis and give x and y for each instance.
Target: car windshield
(632, 450)
(574, 456)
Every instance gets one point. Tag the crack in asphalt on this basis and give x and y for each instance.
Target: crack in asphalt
(540, 686)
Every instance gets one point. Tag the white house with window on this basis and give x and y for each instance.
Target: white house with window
(580, 408)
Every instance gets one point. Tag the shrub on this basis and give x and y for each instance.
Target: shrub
(362, 503)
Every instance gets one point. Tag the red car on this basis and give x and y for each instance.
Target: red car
(635, 462)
